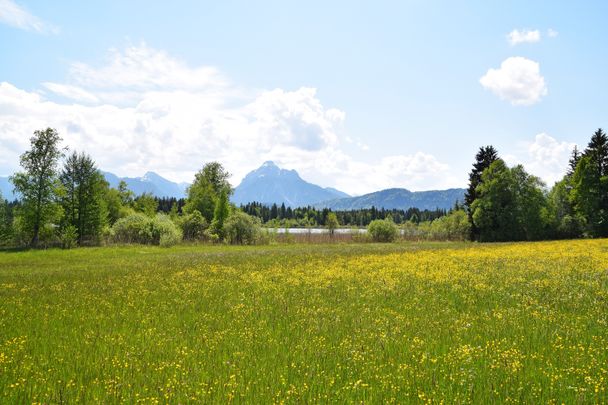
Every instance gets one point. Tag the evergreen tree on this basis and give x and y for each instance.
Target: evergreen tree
(575, 157)
(483, 159)
(597, 150)
(83, 199)
(590, 185)
(38, 184)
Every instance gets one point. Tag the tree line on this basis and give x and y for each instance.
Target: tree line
(65, 200)
(509, 204)
(280, 215)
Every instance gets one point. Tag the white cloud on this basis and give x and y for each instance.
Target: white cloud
(144, 68)
(548, 157)
(518, 80)
(516, 37)
(71, 92)
(551, 33)
(145, 111)
(16, 16)
(545, 157)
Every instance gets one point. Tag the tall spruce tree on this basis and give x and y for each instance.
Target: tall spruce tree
(38, 185)
(83, 200)
(483, 159)
(590, 185)
(597, 150)
(575, 157)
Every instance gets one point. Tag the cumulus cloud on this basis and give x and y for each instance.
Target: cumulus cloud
(518, 80)
(141, 67)
(71, 92)
(16, 16)
(548, 157)
(144, 110)
(551, 33)
(545, 157)
(516, 37)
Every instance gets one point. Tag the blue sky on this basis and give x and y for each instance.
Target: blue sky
(355, 95)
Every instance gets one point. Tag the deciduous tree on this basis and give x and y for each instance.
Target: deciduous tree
(38, 184)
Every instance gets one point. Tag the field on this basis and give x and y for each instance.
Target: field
(420, 323)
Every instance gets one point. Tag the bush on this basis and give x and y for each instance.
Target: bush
(131, 229)
(455, 226)
(382, 230)
(242, 229)
(164, 232)
(194, 226)
(412, 231)
(139, 228)
(68, 237)
(359, 236)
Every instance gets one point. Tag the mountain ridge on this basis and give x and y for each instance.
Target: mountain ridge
(269, 184)
(398, 198)
(150, 182)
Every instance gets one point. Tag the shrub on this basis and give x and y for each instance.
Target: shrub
(242, 229)
(382, 230)
(194, 226)
(164, 232)
(359, 236)
(455, 226)
(68, 237)
(139, 228)
(131, 229)
(332, 223)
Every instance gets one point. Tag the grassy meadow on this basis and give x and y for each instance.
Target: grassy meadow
(402, 323)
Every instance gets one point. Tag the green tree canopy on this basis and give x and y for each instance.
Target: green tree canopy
(483, 159)
(146, 204)
(83, 201)
(206, 189)
(332, 223)
(590, 185)
(38, 185)
(510, 205)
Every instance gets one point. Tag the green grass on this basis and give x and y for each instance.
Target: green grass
(374, 323)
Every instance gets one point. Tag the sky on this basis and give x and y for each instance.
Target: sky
(360, 96)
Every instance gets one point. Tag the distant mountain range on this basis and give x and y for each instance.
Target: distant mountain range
(269, 184)
(151, 183)
(148, 183)
(398, 198)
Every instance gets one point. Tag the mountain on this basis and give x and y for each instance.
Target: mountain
(270, 184)
(6, 188)
(398, 198)
(149, 183)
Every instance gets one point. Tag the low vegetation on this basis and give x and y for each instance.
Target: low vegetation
(343, 323)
